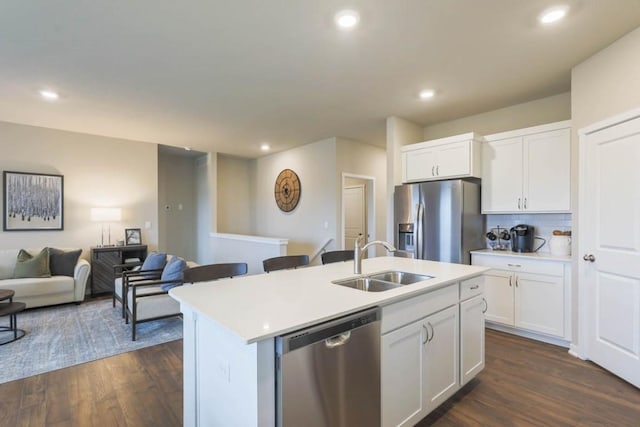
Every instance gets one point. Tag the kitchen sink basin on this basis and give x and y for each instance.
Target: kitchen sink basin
(366, 284)
(399, 277)
(383, 281)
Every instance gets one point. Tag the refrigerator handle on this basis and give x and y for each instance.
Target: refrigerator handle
(419, 223)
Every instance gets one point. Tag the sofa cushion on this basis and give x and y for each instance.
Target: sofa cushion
(174, 270)
(7, 262)
(41, 286)
(63, 263)
(28, 265)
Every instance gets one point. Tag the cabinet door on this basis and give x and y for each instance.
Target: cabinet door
(502, 176)
(402, 376)
(547, 160)
(102, 274)
(471, 338)
(498, 289)
(454, 160)
(419, 165)
(539, 303)
(441, 358)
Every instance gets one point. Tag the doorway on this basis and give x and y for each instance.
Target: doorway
(357, 209)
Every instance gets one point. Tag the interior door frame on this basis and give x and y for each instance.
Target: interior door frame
(585, 310)
(370, 200)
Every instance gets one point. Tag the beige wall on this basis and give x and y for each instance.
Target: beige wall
(235, 204)
(98, 172)
(538, 112)
(177, 208)
(363, 160)
(315, 165)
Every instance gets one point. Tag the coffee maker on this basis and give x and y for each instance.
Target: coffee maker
(522, 236)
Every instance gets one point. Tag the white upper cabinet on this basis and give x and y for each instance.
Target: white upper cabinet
(452, 157)
(528, 170)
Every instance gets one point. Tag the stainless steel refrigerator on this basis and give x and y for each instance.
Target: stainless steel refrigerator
(438, 220)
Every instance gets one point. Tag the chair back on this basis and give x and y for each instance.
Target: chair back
(337, 256)
(285, 262)
(205, 273)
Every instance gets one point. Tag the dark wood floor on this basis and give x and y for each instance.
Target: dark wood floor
(525, 383)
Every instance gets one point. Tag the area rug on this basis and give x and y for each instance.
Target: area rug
(70, 334)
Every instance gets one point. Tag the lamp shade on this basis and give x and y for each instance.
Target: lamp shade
(106, 214)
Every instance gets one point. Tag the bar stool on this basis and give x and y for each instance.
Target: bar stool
(10, 309)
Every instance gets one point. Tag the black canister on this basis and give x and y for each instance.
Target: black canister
(522, 236)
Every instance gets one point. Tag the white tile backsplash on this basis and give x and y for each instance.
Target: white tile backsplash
(544, 224)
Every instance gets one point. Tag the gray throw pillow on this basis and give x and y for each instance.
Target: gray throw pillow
(63, 263)
(28, 265)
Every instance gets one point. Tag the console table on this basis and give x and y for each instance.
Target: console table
(104, 258)
(10, 309)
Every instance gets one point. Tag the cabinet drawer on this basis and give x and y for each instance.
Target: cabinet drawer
(517, 264)
(412, 309)
(471, 287)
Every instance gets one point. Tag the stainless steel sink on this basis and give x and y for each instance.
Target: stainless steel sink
(366, 284)
(383, 281)
(400, 277)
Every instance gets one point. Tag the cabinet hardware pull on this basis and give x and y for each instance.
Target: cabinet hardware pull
(518, 202)
(510, 277)
(432, 332)
(486, 306)
(590, 258)
(432, 169)
(475, 287)
(437, 170)
(514, 265)
(525, 203)
(516, 281)
(426, 332)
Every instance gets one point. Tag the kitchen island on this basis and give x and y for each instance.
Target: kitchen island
(230, 328)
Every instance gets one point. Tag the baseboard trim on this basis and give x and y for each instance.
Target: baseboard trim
(531, 335)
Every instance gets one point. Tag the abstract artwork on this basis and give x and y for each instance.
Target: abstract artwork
(32, 201)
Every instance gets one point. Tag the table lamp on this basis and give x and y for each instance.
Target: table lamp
(106, 215)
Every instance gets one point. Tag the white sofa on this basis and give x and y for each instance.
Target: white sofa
(37, 292)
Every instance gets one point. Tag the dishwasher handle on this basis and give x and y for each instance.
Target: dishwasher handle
(338, 340)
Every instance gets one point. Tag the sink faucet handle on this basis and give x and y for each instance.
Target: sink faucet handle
(360, 240)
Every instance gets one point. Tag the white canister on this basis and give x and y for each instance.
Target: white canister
(560, 245)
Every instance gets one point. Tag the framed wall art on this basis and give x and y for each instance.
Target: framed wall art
(32, 201)
(132, 236)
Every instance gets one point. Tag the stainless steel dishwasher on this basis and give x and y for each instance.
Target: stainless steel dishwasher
(329, 374)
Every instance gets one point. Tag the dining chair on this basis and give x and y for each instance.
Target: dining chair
(205, 273)
(285, 262)
(337, 256)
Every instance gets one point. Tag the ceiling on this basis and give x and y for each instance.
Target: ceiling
(225, 76)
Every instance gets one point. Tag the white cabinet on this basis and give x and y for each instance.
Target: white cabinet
(528, 294)
(452, 157)
(419, 355)
(527, 170)
(472, 306)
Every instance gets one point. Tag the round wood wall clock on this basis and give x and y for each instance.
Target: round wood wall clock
(287, 190)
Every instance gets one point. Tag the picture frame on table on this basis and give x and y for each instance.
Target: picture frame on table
(32, 201)
(132, 236)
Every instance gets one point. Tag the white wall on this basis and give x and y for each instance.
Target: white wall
(206, 195)
(541, 111)
(98, 172)
(363, 160)
(177, 208)
(603, 86)
(315, 165)
(235, 203)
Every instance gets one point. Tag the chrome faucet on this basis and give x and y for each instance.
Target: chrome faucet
(360, 251)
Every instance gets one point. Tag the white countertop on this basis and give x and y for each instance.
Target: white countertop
(266, 305)
(531, 255)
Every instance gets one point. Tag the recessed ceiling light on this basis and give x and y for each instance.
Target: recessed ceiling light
(427, 94)
(553, 14)
(49, 94)
(187, 148)
(347, 19)
(265, 147)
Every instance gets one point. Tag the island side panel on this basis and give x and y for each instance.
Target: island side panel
(227, 382)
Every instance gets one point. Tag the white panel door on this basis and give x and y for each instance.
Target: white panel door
(471, 338)
(502, 176)
(539, 303)
(454, 159)
(355, 214)
(610, 243)
(419, 165)
(547, 181)
(402, 376)
(498, 290)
